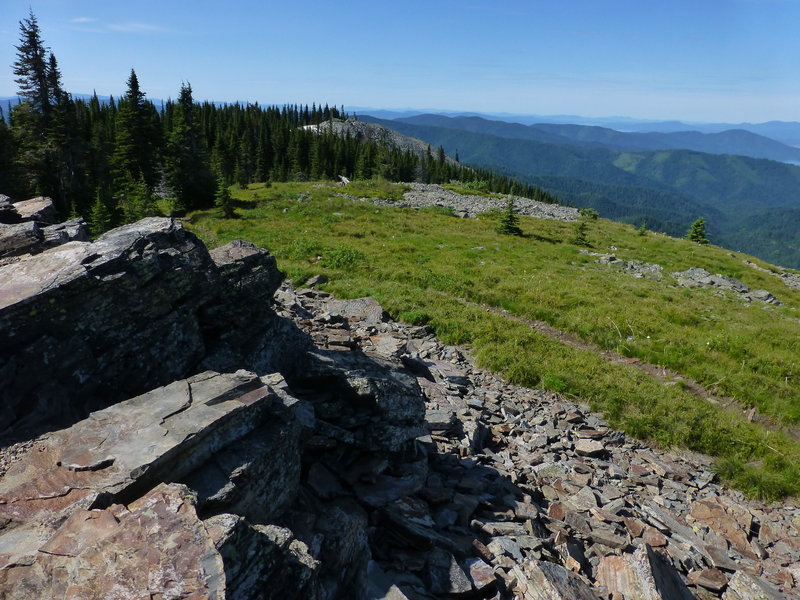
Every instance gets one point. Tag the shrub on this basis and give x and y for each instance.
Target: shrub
(342, 258)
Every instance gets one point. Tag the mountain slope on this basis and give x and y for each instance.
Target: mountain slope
(734, 141)
(671, 186)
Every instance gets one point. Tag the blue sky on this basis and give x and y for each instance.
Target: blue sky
(700, 60)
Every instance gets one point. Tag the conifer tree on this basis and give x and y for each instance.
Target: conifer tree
(509, 222)
(697, 232)
(31, 65)
(100, 218)
(134, 150)
(223, 199)
(187, 168)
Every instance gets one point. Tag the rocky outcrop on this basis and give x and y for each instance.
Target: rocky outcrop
(374, 132)
(790, 279)
(29, 226)
(107, 487)
(84, 324)
(422, 195)
(637, 268)
(696, 277)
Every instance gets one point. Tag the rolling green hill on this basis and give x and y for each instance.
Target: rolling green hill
(669, 187)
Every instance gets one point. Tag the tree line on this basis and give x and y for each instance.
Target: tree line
(120, 160)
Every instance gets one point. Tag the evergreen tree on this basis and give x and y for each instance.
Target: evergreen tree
(223, 199)
(134, 151)
(697, 232)
(135, 200)
(579, 237)
(509, 222)
(100, 218)
(186, 163)
(31, 67)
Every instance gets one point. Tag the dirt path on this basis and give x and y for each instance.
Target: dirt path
(662, 374)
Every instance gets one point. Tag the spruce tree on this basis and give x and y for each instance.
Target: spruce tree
(223, 198)
(100, 217)
(187, 165)
(134, 148)
(579, 236)
(509, 222)
(31, 67)
(697, 232)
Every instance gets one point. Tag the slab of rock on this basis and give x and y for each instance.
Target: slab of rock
(124, 450)
(74, 230)
(743, 586)
(445, 576)
(156, 544)
(39, 209)
(85, 324)
(588, 447)
(366, 311)
(711, 579)
(539, 580)
(20, 238)
(714, 514)
(644, 575)
(278, 565)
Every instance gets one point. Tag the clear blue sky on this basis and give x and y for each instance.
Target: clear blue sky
(699, 60)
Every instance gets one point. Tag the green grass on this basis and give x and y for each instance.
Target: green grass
(429, 267)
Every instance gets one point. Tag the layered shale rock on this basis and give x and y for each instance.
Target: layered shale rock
(84, 324)
(30, 226)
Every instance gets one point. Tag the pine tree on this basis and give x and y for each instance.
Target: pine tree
(509, 222)
(579, 236)
(134, 149)
(100, 217)
(697, 232)
(187, 166)
(223, 198)
(31, 65)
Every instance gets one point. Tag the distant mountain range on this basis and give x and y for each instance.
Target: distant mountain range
(786, 132)
(751, 204)
(734, 141)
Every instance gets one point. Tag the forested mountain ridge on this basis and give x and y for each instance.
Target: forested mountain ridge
(667, 189)
(734, 141)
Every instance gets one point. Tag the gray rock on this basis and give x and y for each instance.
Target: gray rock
(20, 238)
(696, 277)
(743, 586)
(8, 214)
(138, 308)
(74, 230)
(539, 580)
(444, 575)
(39, 209)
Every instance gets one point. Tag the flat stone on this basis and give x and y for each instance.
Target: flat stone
(445, 576)
(539, 580)
(40, 208)
(654, 537)
(714, 514)
(711, 579)
(589, 447)
(744, 586)
(481, 574)
(155, 543)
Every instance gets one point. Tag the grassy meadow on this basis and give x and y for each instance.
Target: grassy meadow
(428, 267)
